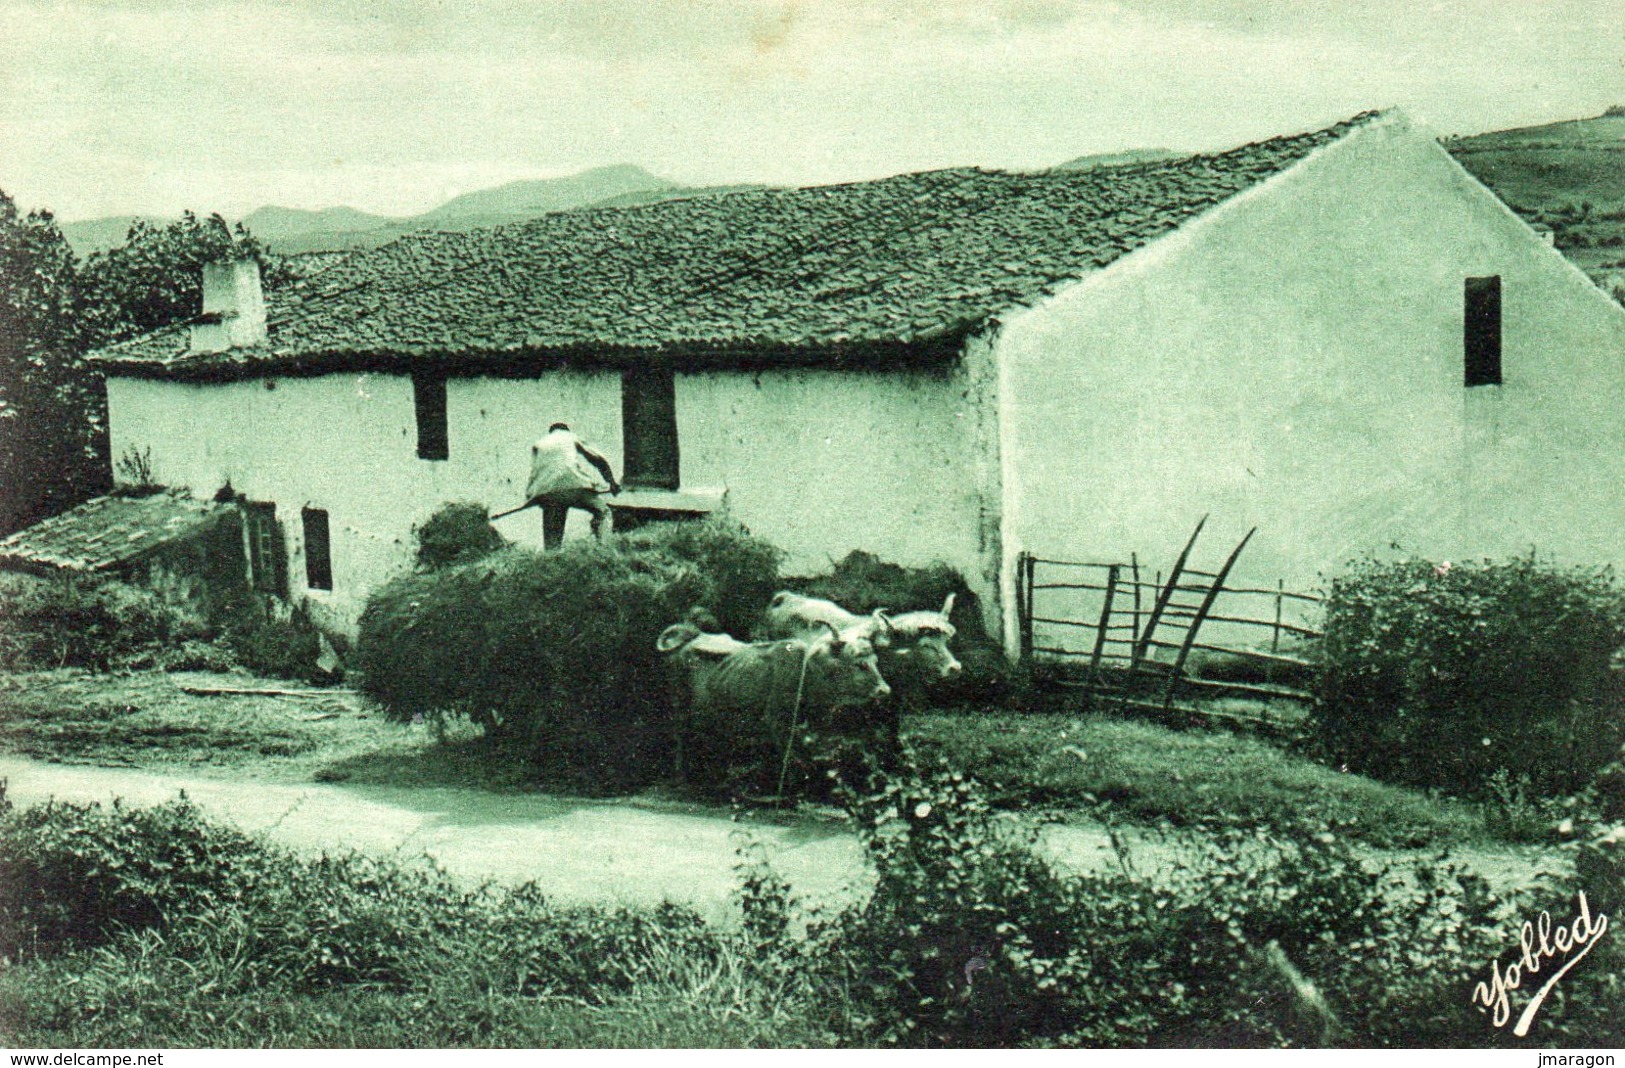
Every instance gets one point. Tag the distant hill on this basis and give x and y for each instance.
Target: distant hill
(1118, 159)
(528, 199)
(1566, 177)
(292, 231)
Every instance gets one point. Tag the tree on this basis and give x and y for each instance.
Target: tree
(53, 426)
(156, 277)
(54, 310)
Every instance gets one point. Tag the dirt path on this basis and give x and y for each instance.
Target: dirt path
(575, 850)
(579, 850)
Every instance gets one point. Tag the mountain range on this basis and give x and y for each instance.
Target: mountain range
(1567, 178)
(296, 230)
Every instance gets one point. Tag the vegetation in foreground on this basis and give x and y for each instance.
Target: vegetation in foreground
(156, 927)
(87, 621)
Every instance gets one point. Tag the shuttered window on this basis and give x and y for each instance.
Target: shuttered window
(649, 428)
(263, 541)
(429, 398)
(318, 550)
(1482, 332)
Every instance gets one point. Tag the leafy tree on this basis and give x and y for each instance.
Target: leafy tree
(53, 425)
(54, 310)
(156, 277)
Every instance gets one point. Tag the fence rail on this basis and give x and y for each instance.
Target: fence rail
(1125, 634)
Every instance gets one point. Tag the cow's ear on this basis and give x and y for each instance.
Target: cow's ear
(948, 605)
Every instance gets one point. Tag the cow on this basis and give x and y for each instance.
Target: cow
(911, 646)
(753, 697)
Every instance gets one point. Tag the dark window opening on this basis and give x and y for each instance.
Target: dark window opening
(267, 567)
(429, 398)
(1482, 333)
(649, 428)
(318, 550)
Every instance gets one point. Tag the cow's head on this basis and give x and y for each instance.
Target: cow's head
(845, 669)
(920, 644)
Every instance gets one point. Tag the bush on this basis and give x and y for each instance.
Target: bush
(191, 932)
(457, 533)
(77, 875)
(973, 939)
(555, 651)
(266, 637)
(158, 923)
(72, 621)
(1440, 676)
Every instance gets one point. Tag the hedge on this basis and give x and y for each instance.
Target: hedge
(1440, 675)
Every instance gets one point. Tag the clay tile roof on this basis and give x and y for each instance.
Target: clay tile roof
(817, 274)
(104, 533)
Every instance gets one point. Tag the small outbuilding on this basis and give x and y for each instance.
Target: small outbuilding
(192, 551)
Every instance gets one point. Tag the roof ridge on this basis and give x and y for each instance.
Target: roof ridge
(776, 271)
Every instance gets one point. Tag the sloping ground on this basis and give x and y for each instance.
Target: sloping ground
(1542, 166)
(1566, 177)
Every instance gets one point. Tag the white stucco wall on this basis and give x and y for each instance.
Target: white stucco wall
(824, 462)
(818, 462)
(1294, 361)
(348, 444)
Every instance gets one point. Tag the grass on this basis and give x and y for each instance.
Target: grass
(137, 994)
(144, 719)
(1148, 773)
(1185, 778)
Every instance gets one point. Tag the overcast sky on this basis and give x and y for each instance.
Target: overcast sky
(393, 106)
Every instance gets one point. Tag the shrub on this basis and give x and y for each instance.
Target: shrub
(973, 938)
(72, 621)
(77, 875)
(193, 932)
(456, 533)
(266, 637)
(162, 923)
(555, 651)
(1439, 675)
(969, 937)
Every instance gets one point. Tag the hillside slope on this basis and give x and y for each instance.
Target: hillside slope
(1566, 177)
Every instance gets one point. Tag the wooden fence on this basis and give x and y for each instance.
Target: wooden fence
(1136, 632)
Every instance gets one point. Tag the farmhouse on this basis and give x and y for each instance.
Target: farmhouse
(1338, 337)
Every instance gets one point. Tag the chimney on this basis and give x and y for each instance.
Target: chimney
(233, 307)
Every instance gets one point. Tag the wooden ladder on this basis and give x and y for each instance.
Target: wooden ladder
(1182, 604)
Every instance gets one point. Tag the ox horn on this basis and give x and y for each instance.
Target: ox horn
(834, 634)
(948, 605)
